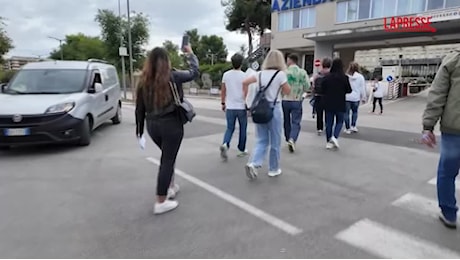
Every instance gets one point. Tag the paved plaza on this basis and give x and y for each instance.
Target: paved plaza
(375, 197)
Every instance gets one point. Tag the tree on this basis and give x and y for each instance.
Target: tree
(208, 48)
(6, 44)
(81, 47)
(113, 28)
(173, 51)
(248, 16)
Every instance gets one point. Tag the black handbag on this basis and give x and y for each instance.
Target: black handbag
(184, 108)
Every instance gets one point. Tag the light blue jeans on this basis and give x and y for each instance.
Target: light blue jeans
(449, 165)
(269, 135)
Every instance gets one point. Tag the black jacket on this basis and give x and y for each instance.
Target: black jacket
(335, 87)
(144, 106)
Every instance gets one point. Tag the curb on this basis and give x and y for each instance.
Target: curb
(187, 96)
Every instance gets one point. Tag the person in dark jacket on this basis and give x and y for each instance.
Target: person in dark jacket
(335, 86)
(155, 104)
(317, 91)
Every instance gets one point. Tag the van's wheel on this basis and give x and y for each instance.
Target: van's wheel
(85, 132)
(117, 118)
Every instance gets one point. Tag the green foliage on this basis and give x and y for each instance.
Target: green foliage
(174, 56)
(6, 75)
(208, 48)
(247, 17)
(113, 28)
(216, 71)
(6, 44)
(80, 47)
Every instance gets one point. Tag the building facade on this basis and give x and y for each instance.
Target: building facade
(314, 29)
(16, 62)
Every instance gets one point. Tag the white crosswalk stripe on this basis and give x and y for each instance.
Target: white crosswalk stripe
(418, 204)
(386, 242)
(434, 182)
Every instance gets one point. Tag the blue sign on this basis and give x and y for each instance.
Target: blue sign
(283, 5)
(389, 78)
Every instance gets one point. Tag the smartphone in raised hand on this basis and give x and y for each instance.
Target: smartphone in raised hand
(185, 41)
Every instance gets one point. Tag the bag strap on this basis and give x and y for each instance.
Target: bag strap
(175, 93)
(269, 83)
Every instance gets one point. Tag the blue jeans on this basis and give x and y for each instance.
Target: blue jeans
(242, 116)
(449, 165)
(269, 135)
(292, 118)
(330, 116)
(353, 106)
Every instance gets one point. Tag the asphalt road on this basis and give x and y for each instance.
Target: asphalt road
(373, 198)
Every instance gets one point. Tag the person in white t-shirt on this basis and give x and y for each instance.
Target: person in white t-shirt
(234, 105)
(268, 135)
(378, 95)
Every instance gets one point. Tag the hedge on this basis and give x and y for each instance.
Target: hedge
(6, 75)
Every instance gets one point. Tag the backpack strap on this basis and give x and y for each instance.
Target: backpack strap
(269, 83)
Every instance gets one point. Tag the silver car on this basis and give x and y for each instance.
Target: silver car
(58, 101)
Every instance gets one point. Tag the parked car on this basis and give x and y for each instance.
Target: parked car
(59, 101)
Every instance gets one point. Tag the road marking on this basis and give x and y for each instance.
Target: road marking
(270, 219)
(434, 181)
(386, 242)
(417, 204)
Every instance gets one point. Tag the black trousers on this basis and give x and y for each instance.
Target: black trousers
(167, 133)
(380, 104)
(319, 109)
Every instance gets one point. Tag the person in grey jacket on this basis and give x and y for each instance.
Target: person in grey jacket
(155, 103)
(444, 103)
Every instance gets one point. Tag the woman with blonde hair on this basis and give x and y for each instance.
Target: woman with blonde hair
(156, 104)
(272, 82)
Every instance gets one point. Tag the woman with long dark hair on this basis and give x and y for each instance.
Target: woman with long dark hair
(335, 86)
(155, 104)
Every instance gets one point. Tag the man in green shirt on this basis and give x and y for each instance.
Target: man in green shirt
(292, 103)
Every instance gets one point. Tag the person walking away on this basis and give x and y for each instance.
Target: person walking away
(318, 93)
(358, 86)
(272, 81)
(155, 104)
(443, 104)
(378, 95)
(292, 103)
(335, 86)
(234, 106)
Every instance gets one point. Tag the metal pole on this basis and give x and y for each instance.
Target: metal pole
(62, 51)
(123, 71)
(130, 49)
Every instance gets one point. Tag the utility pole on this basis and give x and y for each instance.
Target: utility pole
(121, 52)
(130, 48)
(212, 55)
(60, 45)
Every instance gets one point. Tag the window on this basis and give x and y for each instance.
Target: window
(383, 8)
(296, 19)
(364, 9)
(435, 4)
(352, 10)
(308, 17)
(411, 6)
(285, 21)
(452, 3)
(341, 12)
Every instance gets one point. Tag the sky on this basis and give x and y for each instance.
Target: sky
(30, 22)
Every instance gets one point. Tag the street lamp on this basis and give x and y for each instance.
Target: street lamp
(122, 52)
(212, 55)
(60, 45)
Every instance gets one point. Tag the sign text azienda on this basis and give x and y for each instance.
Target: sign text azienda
(284, 5)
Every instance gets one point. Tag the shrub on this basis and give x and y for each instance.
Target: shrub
(6, 75)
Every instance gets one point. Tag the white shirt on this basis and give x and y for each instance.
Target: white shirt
(233, 80)
(358, 87)
(378, 93)
(274, 88)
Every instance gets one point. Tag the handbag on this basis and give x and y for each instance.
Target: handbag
(184, 107)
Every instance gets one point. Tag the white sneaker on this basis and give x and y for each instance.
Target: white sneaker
(291, 146)
(347, 131)
(275, 173)
(223, 151)
(320, 132)
(172, 192)
(329, 146)
(335, 142)
(242, 153)
(164, 207)
(354, 129)
(251, 171)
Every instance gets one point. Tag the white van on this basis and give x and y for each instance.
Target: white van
(58, 101)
